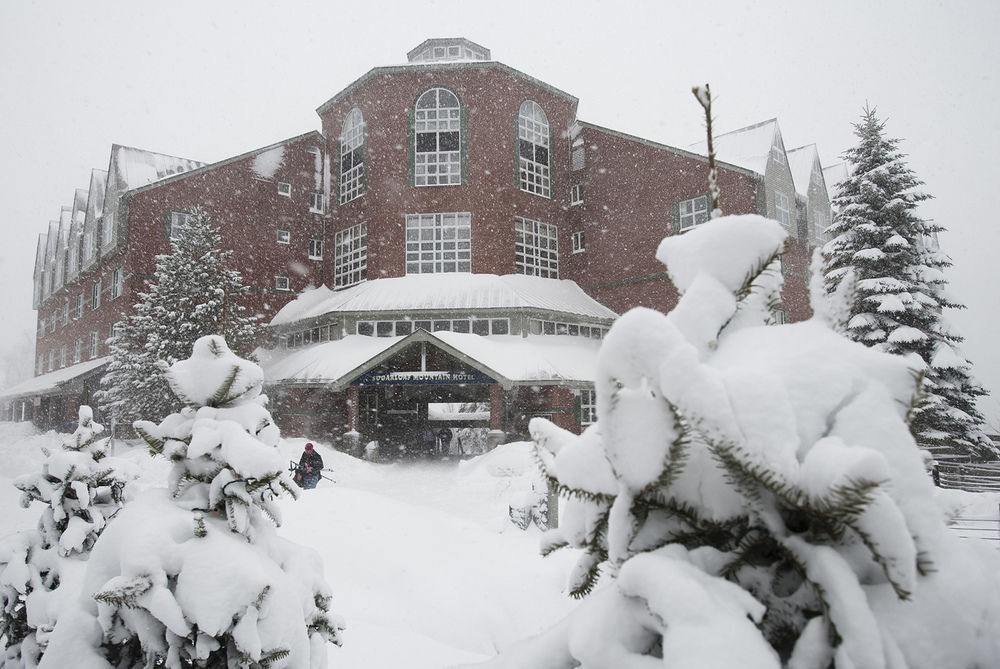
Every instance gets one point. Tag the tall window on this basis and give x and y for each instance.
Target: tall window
(95, 295)
(77, 350)
(533, 148)
(177, 222)
(819, 225)
(438, 243)
(536, 248)
(350, 256)
(117, 283)
(109, 229)
(315, 249)
(693, 212)
(588, 407)
(781, 209)
(95, 344)
(352, 156)
(437, 130)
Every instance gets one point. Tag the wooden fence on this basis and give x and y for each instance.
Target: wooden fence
(972, 477)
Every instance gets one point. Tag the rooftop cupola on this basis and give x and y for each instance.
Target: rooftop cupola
(441, 50)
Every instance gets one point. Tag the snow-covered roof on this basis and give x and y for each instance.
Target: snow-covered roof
(507, 358)
(801, 162)
(446, 291)
(51, 381)
(137, 167)
(833, 175)
(747, 147)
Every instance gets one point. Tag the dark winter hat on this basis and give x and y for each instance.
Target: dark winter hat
(309, 447)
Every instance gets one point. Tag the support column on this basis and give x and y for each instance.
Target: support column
(353, 408)
(496, 407)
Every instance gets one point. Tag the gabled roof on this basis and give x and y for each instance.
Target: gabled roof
(446, 42)
(748, 147)
(436, 292)
(435, 67)
(510, 360)
(801, 162)
(203, 168)
(95, 195)
(833, 175)
(133, 168)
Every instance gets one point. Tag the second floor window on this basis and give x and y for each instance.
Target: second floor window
(437, 137)
(95, 344)
(438, 243)
(693, 212)
(576, 194)
(315, 249)
(579, 244)
(95, 295)
(352, 156)
(536, 248)
(116, 283)
(316, 203)
(177, 222)
(533, 149)
(350, 256)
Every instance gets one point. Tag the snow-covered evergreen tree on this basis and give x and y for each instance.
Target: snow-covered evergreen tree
(751, 495)
(196, 575)
(194, 293)
(81, 491)
(885, 258)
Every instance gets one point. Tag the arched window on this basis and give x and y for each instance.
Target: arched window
(533, 149)
(437, 141)
(352, 156)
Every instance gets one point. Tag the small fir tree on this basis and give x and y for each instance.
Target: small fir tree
(193, 293)
(750, 494)
(883, 259)
(195, 575)
(81, 491)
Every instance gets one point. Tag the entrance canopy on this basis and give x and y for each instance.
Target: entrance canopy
(504, 359)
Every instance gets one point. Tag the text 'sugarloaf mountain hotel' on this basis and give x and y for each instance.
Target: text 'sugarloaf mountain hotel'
(455, 235)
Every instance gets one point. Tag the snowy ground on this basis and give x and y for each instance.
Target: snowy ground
(424, 566)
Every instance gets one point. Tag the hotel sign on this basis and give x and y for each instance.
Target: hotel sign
(444, 377)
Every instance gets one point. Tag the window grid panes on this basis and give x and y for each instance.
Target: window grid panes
(281, 283)
(693, 212)
(402, 327)
(533, 149)
(77, 350)
(541, 327)
(437, 151)
(536, 248)
(352, 154)
(284, 237)
(116, 283)
(576, 194)
(315, 249)
(588, 407)
(438, 243)
(314, 335)
(350, 256)
(284, 189)
(578, 242)
(95, 343)
(95, 296)
(178, 222)
(316, 203)
(781, 209)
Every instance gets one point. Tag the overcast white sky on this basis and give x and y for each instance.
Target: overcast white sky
(208, 80)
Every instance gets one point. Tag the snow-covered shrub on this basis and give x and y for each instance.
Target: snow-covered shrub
(81, 491)
(196, 575)
(752, 493)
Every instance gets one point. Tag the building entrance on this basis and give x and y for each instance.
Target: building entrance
(425, 421)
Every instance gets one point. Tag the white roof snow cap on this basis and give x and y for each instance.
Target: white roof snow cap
(446, 291)
(47, 383)
(135, 167)
(801, 162)
(747, 147)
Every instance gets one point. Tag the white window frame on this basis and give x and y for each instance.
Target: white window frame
(534, 153)
(352, 156)
(54, 321)
(692, 212)
(79, 306)
(63, 354)
(52, 359)
(281, 284)
(179, 221)
(95, 345)
(283, 237)
(578, 242)
(77, 350)
(95, 296)
(536, 248)
(116, 283)
(40, 365)
(108, 229)
(315, 249)
(576, 194)
(588, 407)
(43, 324)
(350, 256)
(820, 223)
(65, 314)
(782, 209)
(439, 243)
(437, 115)
(284, 188)
(316, 203)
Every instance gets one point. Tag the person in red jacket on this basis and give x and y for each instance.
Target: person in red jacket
(310, 467)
